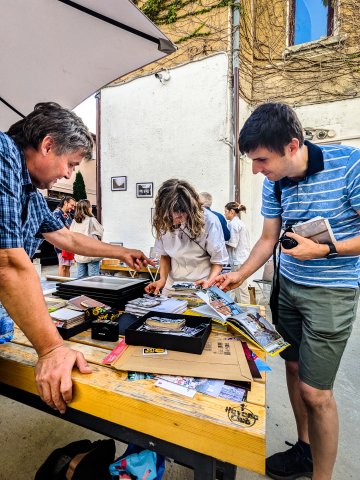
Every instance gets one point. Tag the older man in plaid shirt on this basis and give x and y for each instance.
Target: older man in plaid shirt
(37, 151)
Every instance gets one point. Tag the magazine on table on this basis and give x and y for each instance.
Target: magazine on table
(248, 322)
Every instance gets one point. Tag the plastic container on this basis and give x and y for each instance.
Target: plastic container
(6, 326)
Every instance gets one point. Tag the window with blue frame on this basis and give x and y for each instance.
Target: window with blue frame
(310, 20)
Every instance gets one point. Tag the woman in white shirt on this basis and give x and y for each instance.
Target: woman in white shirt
(84, 222)
(238, 245)
(189, 238)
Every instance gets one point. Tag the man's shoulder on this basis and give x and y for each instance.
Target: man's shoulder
(339, 152)
(210, 217)
(58, 213)
(8, 148)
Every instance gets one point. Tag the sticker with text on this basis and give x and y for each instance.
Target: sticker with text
(241, 416)
(154, 351)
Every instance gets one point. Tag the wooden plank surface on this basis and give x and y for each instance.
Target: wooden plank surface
(205, 424)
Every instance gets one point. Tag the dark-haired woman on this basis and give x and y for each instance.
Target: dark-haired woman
(238, 245)
(189, 238)
(84, 222)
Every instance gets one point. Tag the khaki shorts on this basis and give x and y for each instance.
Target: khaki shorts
(317, 322)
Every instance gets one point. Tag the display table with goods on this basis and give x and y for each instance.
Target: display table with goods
(209, 434)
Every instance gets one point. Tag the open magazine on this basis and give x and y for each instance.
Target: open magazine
(247, 322)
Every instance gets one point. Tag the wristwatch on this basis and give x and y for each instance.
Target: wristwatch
(332, 250)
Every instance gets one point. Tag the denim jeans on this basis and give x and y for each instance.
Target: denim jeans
(89, 269)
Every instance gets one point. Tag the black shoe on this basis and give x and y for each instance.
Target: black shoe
(289, 465)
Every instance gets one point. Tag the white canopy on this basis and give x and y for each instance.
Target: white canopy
(64, 51)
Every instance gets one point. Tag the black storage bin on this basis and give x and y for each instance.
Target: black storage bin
(170, 342)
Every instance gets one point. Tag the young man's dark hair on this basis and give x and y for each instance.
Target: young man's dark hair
(272, 126)
(65, 200)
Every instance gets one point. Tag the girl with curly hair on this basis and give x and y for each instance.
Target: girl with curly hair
(189, 238)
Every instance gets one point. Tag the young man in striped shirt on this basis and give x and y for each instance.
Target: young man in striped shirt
(318, 282)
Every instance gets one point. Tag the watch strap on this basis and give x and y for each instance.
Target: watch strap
(332, 250)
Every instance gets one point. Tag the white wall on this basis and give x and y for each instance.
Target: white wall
(151, 132)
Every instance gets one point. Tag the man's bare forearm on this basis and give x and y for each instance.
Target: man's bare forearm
(83, 245)
(22, 296)
(259, 255)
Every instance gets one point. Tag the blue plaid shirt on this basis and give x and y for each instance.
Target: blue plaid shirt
(24, 214)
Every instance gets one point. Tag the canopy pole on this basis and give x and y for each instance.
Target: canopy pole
(11, 107)
(163, 44)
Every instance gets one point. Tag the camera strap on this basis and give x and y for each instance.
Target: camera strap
(275, 289)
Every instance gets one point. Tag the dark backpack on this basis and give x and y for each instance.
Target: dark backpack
(81, 460)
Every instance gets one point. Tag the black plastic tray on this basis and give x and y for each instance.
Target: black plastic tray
(171, 342)
(67, 333)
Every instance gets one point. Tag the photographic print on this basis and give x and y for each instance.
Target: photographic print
(144, 190)
(118, 183)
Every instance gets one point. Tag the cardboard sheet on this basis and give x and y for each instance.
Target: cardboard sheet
(222, 359)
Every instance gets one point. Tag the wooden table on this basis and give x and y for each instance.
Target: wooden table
(209, 435)
(121, 268)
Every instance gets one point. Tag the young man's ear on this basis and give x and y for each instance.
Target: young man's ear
(46, 145)
(293, 146)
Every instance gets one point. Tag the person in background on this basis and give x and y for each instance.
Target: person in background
(315, 299)
(189, 238)
(238, 245)
(63, 213)
(206, 199)
(37, 151)
(84, 222)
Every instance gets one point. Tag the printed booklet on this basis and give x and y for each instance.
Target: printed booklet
(247, 322)
(317, 229)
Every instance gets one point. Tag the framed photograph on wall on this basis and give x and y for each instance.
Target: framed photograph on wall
(119, 183)
(144, 190)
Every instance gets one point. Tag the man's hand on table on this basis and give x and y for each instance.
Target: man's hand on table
(53, 375)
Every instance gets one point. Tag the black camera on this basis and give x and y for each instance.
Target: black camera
(286, 241)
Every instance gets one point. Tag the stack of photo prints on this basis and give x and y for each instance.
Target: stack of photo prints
(184, 289)
(69, 313)
(143, 305)
(171, 326)
(67, 317)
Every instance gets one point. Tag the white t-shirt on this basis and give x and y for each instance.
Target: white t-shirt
(239, 242)
(91, 228)
(190, 261)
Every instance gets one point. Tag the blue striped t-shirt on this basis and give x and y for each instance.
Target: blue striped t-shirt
(331, 190)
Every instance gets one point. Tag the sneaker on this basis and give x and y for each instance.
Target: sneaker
(289, 465)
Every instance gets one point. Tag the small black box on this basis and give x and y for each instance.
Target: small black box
(171, 342)
(67, 333)
(105, 330)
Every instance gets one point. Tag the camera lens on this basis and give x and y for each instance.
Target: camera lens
(288, 243)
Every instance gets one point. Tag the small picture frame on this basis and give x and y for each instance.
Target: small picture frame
(119, 184)
(144, 190)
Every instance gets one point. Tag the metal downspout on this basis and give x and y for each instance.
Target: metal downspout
(98, 157)
(235, 65)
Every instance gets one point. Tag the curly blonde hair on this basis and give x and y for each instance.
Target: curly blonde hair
(178, 196)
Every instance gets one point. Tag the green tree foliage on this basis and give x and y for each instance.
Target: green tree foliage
(79, 190)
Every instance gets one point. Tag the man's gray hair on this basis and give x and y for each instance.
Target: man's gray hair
(206, 199)
(67, 130)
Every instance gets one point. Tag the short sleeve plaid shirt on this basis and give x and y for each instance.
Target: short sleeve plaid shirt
(24, 214)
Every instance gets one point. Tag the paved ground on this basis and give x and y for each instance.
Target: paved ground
(28, 436)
